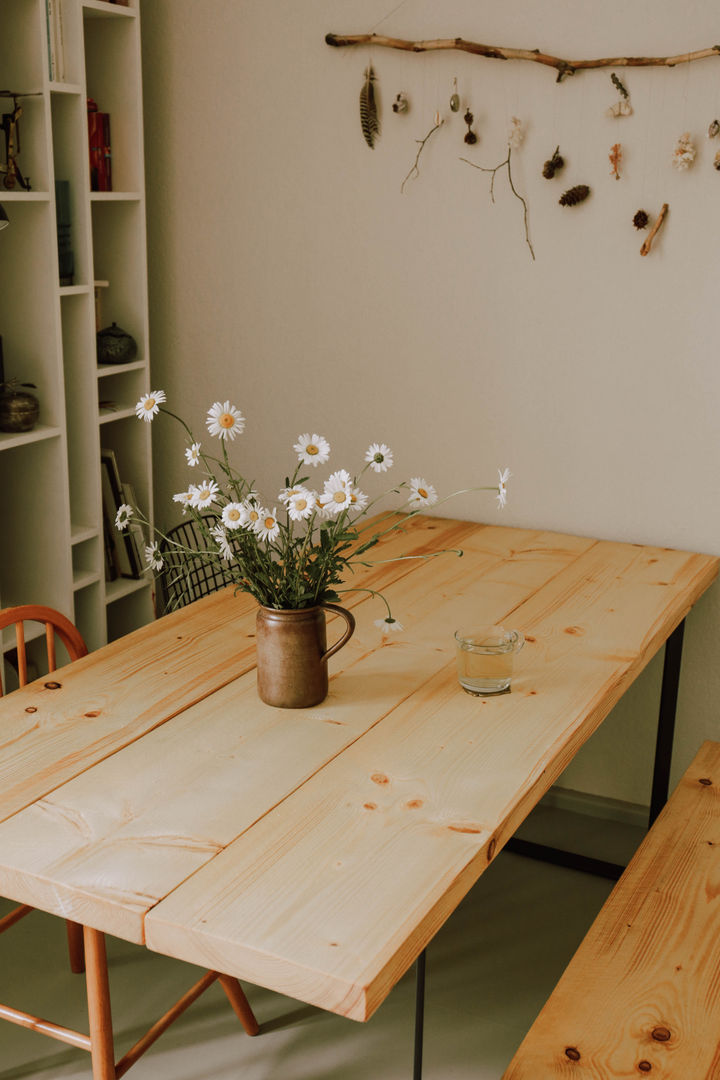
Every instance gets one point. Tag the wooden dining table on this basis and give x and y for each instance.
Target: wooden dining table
(146, 791)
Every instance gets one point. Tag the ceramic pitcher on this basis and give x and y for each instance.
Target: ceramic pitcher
(292, 654)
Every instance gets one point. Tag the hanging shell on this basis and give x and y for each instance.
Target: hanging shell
(684, 152)
(713, 129)
(455, 98)
(401, 103)
(716, 161)
(620, 108)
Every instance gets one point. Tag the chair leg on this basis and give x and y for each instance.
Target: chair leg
(241, 1005)
(99, 1015)
(76, 948)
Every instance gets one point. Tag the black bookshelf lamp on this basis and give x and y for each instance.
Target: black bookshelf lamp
(4, 222)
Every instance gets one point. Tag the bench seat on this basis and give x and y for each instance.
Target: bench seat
(641, 996)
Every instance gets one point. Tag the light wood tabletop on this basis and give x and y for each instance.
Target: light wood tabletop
(147, 792)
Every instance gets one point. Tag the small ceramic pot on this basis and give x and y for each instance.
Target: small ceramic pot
(115, 346)
(292, 654)
(19, 410)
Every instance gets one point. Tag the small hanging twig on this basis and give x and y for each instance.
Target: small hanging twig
(502, 165)
(415, 170)
(499, 52)
(645, 249)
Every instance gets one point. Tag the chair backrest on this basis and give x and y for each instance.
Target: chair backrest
(55, 623)
(185, 577)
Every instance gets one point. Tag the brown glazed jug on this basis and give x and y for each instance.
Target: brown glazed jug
(292, 654)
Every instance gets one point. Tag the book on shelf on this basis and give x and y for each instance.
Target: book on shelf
(64, 232)
(100, 151)
(54, 16)
(127, 558)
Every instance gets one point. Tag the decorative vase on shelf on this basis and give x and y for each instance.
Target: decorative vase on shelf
(115, 346)
(19, 410)
(292, 654)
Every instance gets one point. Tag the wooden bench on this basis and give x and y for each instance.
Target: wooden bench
(641, 996)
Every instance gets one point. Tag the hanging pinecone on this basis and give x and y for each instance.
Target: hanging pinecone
(574, 195)
(553, 164)
(641, 220)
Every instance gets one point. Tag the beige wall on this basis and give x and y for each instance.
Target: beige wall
(289, 274)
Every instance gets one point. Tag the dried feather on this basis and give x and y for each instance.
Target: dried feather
(369, 120)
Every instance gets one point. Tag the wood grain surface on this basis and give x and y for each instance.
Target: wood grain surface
(640, 996)
(152, 795)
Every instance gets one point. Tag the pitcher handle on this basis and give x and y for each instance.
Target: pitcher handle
(349, 619)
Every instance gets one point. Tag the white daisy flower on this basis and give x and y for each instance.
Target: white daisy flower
(149, 405)
(185, 498)
(301, 504)
(235, 515)
(153, 557)
(287, 493)
(225, 420)
(312, 449)
(220, 537)
(421, 493)
(503, 478)
(337, 495)
(267, 527)
(193, 454)
(389, 626)
(122, 518)
(203, 494)
(358, 500)
(379, 457)
(253, 514)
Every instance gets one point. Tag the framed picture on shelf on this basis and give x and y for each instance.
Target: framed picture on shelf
(128, 559)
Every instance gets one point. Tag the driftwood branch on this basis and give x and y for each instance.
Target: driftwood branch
(497, 52)
(645, 249)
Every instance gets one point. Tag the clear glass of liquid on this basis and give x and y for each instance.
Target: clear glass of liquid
(485, 659)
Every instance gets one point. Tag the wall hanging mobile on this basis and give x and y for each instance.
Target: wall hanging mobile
(682, 158)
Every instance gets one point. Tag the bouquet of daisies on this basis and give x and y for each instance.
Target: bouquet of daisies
(295, 550)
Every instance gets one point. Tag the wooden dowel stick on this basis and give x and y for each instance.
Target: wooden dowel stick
(14, 916)
(45, 1027)
(645, 249)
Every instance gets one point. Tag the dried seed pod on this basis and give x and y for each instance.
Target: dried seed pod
(615, 157)
(641, 219)
(713, 129)
(574, 195)
(470, 136)
(716, 160)
(552, 165)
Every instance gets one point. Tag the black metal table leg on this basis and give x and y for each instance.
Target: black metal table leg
(666, 721)
(419, 1015)
(661, 772)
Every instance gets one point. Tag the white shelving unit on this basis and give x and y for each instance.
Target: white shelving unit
(51, 540)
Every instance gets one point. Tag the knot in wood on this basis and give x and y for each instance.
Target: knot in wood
(379, 778)
(31, 709)
(491, 849)
(572, 1052)
(52, 685)
(644, 1066)
(660, 1034)
(704, 780)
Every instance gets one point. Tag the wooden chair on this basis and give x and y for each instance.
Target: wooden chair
(69, 635)
(85, 943)
(184, 577)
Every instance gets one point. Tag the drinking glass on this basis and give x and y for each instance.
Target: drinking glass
(485, 659)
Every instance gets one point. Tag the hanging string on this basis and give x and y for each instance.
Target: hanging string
(386, 17)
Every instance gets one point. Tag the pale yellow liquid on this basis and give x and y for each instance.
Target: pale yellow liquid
(484, 672)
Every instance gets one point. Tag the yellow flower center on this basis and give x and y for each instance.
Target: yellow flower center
(149, 404)
(254, 516)
(300, 505)
(340, 496)
(234, 514)
(353, 498)
(422, 493)
(269, 522)
(226, 420)
(311, 449)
